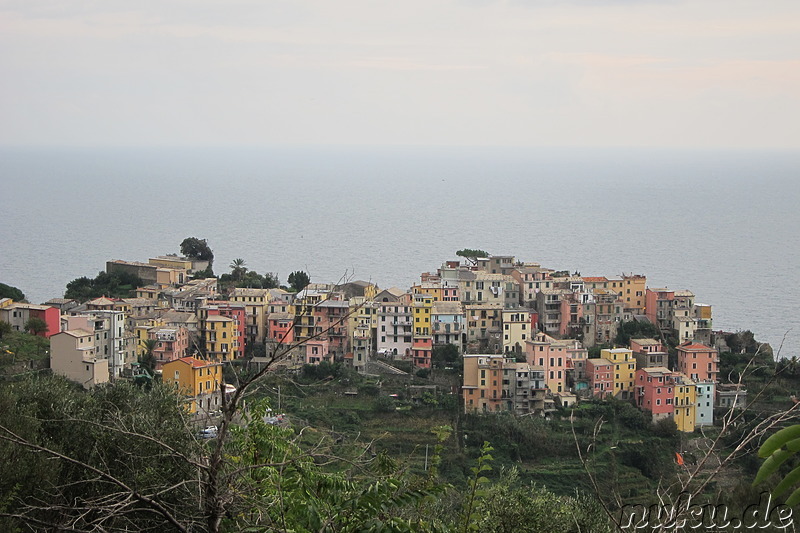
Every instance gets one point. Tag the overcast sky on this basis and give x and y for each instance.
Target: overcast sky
(421, 72)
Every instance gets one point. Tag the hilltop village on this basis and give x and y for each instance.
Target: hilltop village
(529, 338)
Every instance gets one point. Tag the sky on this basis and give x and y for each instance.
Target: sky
(650, 73)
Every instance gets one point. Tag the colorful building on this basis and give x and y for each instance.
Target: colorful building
(198, 380)
(493, 383)
(655, 392)
(17, 314)
(219, 334)
(698, 361)
(624, 370)
(600, 373)
(256, 302)
(517, 330)
(685, 403)
(171, 344)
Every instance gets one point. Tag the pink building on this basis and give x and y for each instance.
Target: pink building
(553, 356)
(658, 306)
(601, 377)
(698, 361)
(331, 323)
(655, 391)
(280, 328)
(317, 351)
(422, 349)
(172, 343)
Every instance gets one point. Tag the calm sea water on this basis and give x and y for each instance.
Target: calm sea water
(722, 224)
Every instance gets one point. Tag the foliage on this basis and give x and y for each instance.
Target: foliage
(446, 356)
(474, 488)
(35, 326)
(384, 404)
(776, 451)
(298, 280)
(238, 269)
(322, 371)
(111, 436)
(292, 492)
(506, 506)
(7, 291)
(666, 428)
(634, 329)
(5, 328)
(147, 358)
(113, 285)
(195, 248)
(208, 272)
(744, 342)
(472, 255)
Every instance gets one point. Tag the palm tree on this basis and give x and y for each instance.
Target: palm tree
(147, 359)
(238, 268)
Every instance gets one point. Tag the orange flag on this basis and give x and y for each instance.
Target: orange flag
(679, 458)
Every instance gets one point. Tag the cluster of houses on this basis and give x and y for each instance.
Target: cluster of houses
(524, 330)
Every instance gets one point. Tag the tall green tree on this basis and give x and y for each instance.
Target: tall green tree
(195, 248)
(35, 326)
(299, 280)
(7, 291)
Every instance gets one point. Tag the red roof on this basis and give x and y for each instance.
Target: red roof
(595, 279)
(695, 346)
(196, 363)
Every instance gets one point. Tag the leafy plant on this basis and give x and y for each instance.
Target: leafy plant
(778, 449)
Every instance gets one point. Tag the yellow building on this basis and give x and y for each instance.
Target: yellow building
(434, 290)
(423, 304)
(685, 403)
(624, 370)
(197, 379)
(219, 337)
(168, 261)
(256, 303)
(362, 325)
(517, 330)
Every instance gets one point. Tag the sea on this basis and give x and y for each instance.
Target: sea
(722, 224)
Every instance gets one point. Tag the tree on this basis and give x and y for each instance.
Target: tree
(7, 291)
(472, 255)
(35, 326)
(298, 280)
(238, 269)
(195, 248)
(446, 356)
(5, 328)
(113, 285)
(633, 329)
(147, 359)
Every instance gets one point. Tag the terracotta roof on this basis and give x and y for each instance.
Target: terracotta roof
(596, 279)
(197, 363)
(695, 346)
